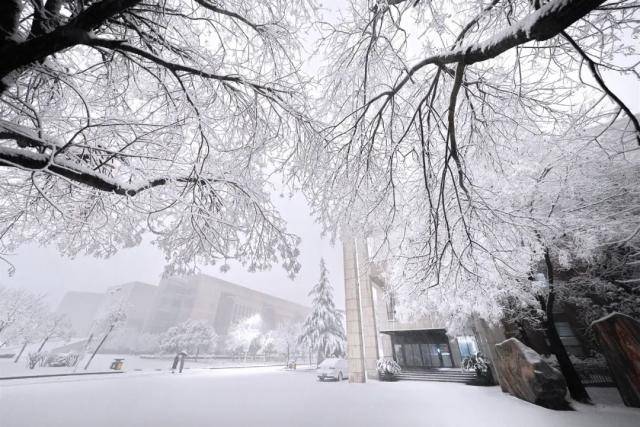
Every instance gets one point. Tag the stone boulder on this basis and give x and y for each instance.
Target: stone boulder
(619, 338)
(524, 374)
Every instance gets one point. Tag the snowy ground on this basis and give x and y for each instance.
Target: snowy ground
(273, 397)
(102, 362)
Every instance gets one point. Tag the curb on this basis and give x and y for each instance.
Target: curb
(24, 377)
(242, 367)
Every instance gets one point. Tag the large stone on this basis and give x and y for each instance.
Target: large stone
(523, 373)
(619, 339)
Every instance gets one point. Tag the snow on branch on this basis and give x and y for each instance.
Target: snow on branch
(542, 24)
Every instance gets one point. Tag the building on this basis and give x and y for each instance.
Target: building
(221, 303)
(374, 332)
(137, 300)
(155, 309)
(80, 308)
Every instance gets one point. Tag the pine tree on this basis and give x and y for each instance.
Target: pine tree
(322, 331)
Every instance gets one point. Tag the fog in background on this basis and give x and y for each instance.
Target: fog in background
(43, 270)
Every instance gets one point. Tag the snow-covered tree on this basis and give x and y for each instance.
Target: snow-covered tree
(244, 334)
(323, 331)
(113, 316)
(191, 336)
(125, 117)
(592, 298)
(286, 339)
(55, 326)
(19, 309)
(439, 114)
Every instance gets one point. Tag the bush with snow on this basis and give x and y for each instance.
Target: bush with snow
(61, 359)
(35, 359)
(388, 367)
(191, 336)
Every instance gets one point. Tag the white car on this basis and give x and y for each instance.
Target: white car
(333, 368)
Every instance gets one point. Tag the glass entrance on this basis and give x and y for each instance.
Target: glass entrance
(421, 349)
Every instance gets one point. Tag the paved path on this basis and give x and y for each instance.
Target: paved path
(273, 397)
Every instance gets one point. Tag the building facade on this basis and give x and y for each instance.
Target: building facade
(155, 309)
(137, 300)
(218, 302)
(80, 309)
(374, 332)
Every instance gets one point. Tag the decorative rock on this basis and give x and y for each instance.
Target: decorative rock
(523, 373)
(619, 339)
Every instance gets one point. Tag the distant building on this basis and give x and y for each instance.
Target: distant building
(81, 308)
(155, 309)
(221, 303)
(137, 299)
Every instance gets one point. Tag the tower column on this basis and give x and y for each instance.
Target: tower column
(362, 332)
(355, 347)
(368, 313)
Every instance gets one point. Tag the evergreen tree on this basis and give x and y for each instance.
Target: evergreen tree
(322, 331)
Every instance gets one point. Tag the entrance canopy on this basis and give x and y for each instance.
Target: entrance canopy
(421, 349)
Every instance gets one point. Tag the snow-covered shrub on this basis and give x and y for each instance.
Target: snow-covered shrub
(580, 363)
(593, 298)
(129, 340)
(191, 336)
(36, 358)
(62, 359)
(388, 367)
(482, 366)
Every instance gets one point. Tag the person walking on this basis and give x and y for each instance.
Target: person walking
(178, 360)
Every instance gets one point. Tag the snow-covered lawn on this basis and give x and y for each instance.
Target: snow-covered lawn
(102, 362)
(273, 397)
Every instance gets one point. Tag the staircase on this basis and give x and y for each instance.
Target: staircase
(442, 375)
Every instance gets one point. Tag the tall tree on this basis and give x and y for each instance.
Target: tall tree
(286, 339)
(323, 331)
(125, 117)
(439, 114)
(113, 317)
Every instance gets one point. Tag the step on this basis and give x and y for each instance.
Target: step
(437, 376)
(441, 380)
(429, 374)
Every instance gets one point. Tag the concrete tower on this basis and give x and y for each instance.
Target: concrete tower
(362, 334)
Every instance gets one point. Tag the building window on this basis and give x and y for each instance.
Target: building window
(468, 346)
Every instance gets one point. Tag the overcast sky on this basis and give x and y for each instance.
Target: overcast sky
(41, 269)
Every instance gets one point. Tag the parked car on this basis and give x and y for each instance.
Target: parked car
(334, 369)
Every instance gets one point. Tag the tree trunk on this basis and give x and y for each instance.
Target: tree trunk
(98, 347)
(576, 389)
(44, 341)
(319, 358)
(287, 361)
(9, 20)
(21, 351)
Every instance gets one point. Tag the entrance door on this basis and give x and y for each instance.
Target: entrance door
(422, 349)
(412, 353)
(445, 355)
